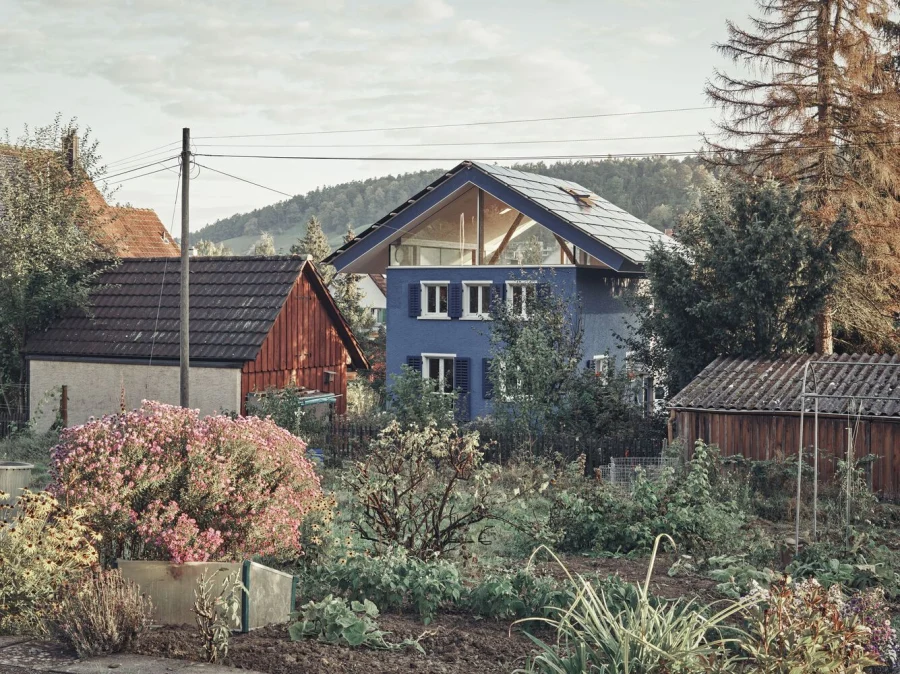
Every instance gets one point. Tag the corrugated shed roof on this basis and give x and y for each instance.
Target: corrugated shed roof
(233, 303)
(629, 236)
(775, 385)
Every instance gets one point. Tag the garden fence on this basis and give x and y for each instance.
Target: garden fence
(349, 440)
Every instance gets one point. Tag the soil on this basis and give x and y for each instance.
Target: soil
(635, 571)
(454, 644)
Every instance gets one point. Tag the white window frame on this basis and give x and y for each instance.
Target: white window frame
(426, 357)
(484, 314)
(524, 285)
(438, 315)
(601, 367)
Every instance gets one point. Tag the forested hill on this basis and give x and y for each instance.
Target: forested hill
(656, 190)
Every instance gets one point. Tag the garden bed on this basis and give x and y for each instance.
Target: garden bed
(454, 644)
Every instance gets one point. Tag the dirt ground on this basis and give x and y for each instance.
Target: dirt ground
(454, 644)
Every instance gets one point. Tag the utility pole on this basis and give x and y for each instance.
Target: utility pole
(185, 267)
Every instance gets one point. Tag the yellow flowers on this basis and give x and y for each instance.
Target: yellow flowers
(42, 547)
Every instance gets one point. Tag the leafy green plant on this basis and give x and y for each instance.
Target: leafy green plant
(858, 566)
(42, 547)
(101, 613)
(735, 577)
(413, 400)
(518, 594)
(334, 621)
(393, 580)
(597, 634)
(216, 608)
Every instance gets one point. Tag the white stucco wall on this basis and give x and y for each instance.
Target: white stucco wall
(95, 389)
(372, 297)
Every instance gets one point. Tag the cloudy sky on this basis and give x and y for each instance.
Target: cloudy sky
(137, 71)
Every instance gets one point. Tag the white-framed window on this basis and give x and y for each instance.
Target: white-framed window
(601, 367)
(435, 299)
(439, 368)
(477, 299)
(378, 315)
(520, 295)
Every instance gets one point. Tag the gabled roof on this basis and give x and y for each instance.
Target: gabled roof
(123, 231)
(380, 280)
(580, 216)
(775, 385)
(234, 302)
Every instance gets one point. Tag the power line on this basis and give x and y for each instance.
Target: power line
(165, 269)
(157, 156)
(603, 155)
(244, 180)
(125, 159)
(464, 124)
(138, 168)
(142, 175)
(499, 142)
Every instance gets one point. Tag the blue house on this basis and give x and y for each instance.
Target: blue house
(483, 231)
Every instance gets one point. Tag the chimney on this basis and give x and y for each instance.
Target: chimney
(70, 150)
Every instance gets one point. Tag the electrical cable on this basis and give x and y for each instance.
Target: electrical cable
(138, 168)
(244, 180)
(502, 142)
(462, 124)
(154, 150)
(165, 268)
(142, 175)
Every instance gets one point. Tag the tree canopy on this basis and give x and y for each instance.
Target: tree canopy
(746, 278)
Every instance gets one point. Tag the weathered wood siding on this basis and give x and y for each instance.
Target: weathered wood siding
(302, 344)
(773, 436)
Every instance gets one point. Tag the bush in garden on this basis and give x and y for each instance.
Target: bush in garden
(631, 633)
(42, 546)
(216, 610)
(334, 621)
(101, 613)
(870, 610)
(802, 627)
(285, 407)
(518, 594)
(393, 580)
(424, 489)
(162, 483)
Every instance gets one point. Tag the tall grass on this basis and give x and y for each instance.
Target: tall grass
(598, 634)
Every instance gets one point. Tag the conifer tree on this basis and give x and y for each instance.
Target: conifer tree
(265, 245)
(818, 107)
(315, 243)
(348, 296)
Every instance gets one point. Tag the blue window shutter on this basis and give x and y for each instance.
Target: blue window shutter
(415, 300)
(415, 363)
(461, 369)
(498, 294)
(590, 365)
(454, 303)
(487, 384)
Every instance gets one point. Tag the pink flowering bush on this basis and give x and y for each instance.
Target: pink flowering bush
(162, 483)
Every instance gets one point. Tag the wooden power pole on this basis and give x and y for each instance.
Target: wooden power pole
(185, 267)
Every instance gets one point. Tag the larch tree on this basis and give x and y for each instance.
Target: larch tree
(819, 108)
(315, 243)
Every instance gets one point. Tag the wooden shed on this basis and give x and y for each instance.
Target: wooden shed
(752, 407)
(256, 323)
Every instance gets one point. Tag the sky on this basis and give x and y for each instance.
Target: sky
(137, 71)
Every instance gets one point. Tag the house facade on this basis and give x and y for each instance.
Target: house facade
(483, 232)
(256, 323)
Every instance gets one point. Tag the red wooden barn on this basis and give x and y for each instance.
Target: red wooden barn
(256, 322)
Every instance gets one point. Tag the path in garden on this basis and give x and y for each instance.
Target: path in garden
(20, 655)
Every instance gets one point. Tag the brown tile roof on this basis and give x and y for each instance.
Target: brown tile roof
(130, 232)
(135, 311)
(775, 385)
(122, 230)
(380, 280)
